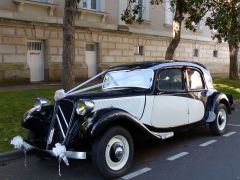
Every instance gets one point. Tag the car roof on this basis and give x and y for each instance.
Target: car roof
(158, 64)
(155, 65)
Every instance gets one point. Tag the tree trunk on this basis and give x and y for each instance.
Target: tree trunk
(233, 69)
(175, 40)
(177, 24)
(68, 58)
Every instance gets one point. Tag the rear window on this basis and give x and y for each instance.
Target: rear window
(195, 81)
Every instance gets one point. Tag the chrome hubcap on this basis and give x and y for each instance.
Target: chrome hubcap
(117, 152)
(221, 119)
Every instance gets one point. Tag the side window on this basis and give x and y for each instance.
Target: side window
(170, 80)
(194, 80)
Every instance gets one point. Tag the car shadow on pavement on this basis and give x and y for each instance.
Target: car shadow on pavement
(149, 150)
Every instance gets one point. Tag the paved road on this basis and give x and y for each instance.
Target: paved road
(190, 155)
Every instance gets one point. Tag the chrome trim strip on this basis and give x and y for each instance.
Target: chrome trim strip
(60, 127)
(76, 155)
(163, 135)
(70, 121)
(63, 116)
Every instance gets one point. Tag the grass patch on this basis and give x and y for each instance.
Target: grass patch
(14, 103)
(227, 86)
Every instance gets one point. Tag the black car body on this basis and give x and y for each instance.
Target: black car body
(173, 96)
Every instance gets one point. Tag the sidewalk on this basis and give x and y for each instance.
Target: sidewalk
(32, 86)
(38, 85)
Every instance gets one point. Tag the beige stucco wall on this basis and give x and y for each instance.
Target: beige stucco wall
(35, 22)
(115, 47)
(40, 13)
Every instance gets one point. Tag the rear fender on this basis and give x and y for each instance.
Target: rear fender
(218, 98)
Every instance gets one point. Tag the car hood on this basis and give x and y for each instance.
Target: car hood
(96, 95)
(132, 101)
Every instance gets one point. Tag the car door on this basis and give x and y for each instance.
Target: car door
(170, 104)
(196, 94)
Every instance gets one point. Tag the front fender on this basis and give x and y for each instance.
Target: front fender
(35, 120)
(101, 120)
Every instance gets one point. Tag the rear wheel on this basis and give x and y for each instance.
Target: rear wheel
(113, 152)
(219, 126)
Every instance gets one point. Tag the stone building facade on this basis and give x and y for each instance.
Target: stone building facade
(31, 39)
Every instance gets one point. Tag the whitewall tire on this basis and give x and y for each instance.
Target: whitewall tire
(219, 126)
(113, 152)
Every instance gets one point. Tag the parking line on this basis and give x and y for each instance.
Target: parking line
(207, 143)
(229, 134)
(136, 173)
(172, 158)
(238, 125)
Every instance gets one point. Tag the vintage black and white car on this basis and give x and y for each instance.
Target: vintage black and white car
(148, 99)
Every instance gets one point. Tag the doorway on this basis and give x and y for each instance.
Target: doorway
(91, 59)
(35, 60)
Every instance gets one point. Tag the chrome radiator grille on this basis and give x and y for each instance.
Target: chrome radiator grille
(62, 121)
(64, 116)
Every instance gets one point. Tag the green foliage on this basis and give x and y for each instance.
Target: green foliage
(131, 13)
(182, 8)
(227, 86)
(222, 16)
(13, 104)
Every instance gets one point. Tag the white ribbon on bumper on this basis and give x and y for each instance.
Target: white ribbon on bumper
(18, 143)
(60, 152)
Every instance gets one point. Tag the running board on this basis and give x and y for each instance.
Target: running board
(163, 135)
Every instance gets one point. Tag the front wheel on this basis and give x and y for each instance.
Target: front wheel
(113, 152)
(219, 125)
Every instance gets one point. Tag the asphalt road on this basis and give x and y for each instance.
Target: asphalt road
(190, 155)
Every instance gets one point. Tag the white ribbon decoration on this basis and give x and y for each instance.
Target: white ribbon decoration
(18, 143)
(60, 152)
(84, 83)
(59, 94)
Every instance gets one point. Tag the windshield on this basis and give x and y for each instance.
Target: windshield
(141, 78)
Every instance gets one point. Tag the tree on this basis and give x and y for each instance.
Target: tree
(224, 18)
(68, 58)
(181, 8)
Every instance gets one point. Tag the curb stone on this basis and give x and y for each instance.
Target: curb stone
(10, 155)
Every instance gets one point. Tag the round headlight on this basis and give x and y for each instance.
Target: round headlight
(84, 106)
(41, 102)
(37, 105)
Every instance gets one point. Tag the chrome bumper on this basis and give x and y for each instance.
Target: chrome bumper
(69, 154)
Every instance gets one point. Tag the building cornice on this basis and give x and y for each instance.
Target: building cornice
(112, 29)
(50, 6)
